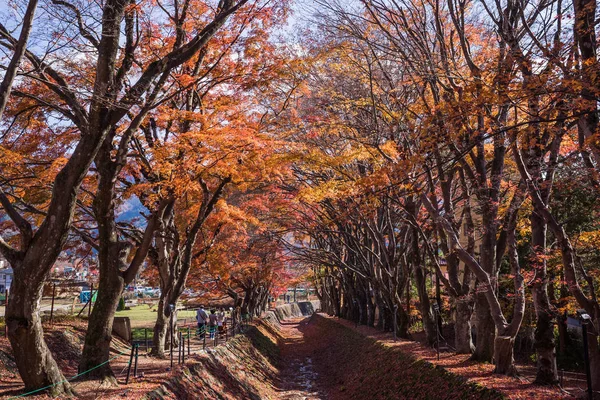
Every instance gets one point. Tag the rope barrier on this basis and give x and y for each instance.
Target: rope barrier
(201, 332)
(67, 380)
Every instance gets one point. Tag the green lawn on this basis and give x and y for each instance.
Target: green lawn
(144, 315)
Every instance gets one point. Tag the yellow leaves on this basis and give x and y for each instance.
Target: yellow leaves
(390, 148)
(10, 157)
(332, 189)
(589, 240)
(235, 215)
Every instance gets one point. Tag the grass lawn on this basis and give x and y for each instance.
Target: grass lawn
(144, 315)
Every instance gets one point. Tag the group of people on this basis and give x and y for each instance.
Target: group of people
(213, 320)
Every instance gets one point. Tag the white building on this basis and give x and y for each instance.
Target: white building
(6, 276)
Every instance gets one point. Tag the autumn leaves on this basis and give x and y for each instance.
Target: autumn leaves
(438, 135)
(147, 105)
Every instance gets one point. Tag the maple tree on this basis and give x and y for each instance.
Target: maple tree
(115, 270)
(125, 83)
(437, 111)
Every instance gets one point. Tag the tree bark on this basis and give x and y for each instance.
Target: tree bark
(594, 350)
(426, 314)
(503, 355)
(403, 323)
(463, 340)
(486, 330)
(36, 364)
(161, 330)
(96, 349)
(547, 371)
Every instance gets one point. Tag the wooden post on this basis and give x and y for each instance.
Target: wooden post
(52, 305)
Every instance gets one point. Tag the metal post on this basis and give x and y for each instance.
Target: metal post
(586, 356)
(90, 302)
(137, 346)
(52, 306)
(395, 321)
(171, 339)
(6, 293)
(204, 337)
(437, 332)
(562, 375)
(130, 361)
(188, 339)
(179, 348)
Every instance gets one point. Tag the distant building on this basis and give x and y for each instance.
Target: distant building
(6, 277)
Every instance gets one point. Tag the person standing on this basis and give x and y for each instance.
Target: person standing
(220, 319)
(202, 319)
(212, 323)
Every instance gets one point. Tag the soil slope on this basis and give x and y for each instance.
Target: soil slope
(314, 358)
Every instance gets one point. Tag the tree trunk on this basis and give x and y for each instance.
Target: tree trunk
(563, 335)
(380, 311)
(370, 308)
(594, 350)
(364, 307)
(403, 322)
(246, 302)
(161, 326)
(547, 372)
(486, 330)
(503, 355)
(168, 329)
(96, 349)
(387, 320)
(337, 305)
(462, 327)
(426, 314)
(36, 365)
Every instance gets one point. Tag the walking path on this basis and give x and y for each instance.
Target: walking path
(296, 352)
